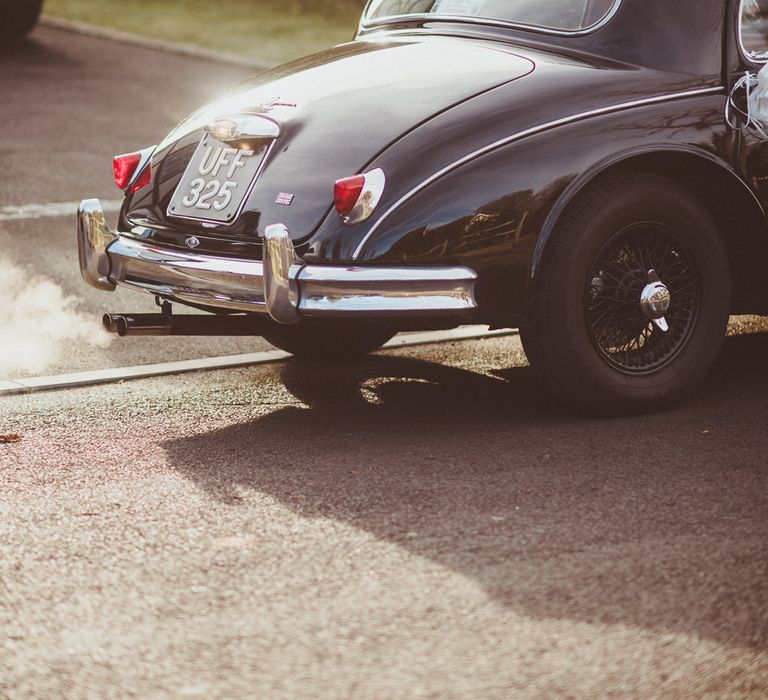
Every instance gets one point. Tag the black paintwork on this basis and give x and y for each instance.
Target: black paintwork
(18, 19)
(415, 97)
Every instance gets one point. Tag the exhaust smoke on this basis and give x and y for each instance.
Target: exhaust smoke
(37, 323)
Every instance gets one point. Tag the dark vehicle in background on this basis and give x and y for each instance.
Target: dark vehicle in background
(560, 166)
(18, 18)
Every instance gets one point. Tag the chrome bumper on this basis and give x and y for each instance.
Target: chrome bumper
(281, 285)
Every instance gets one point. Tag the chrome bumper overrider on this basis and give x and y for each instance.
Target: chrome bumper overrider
(281, 285)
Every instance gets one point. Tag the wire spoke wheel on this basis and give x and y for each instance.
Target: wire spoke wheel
(632, 299)
(621, 329)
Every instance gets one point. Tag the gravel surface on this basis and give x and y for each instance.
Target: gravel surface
(421, 524)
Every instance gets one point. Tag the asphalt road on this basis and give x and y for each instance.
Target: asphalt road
(420, 524)
(68, 104)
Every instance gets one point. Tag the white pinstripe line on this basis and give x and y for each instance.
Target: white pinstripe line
(518, 136)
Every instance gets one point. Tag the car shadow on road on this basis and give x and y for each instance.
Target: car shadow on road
(29, 54)
(657, 522)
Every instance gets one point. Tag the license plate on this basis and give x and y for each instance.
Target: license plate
(216, 182)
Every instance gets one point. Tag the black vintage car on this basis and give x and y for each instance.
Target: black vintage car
(17, 18)
(561, 166)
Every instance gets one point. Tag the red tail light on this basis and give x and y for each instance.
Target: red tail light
(346, 192)
(124, 167)
(356, 197)
(143, 179)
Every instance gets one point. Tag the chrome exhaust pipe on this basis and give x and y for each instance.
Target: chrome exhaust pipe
(188, 324)
(109, 322)
(137, 324)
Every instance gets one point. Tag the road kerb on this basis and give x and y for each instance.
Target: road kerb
(155, 44)
(119, 374)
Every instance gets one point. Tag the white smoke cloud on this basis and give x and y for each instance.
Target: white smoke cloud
(37, 321)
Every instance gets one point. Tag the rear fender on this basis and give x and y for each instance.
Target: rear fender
(496, 214)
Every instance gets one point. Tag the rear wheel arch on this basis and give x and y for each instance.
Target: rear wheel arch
(741, 220)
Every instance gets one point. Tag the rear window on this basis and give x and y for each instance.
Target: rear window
(562, 15)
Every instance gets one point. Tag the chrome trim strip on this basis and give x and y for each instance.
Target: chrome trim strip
(387, 305)
(382, 275)
(375, 182)
(146, 157)
(280, 285)
(521, 135)
(487, 21)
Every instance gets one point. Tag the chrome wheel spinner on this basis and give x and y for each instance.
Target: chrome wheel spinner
(655, 301)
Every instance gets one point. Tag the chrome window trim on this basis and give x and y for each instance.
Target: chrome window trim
(744, 53)
(366, 23)
(521, 135)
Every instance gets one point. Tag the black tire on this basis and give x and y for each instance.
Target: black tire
(18, 18)
(589, 340)
(329, 342)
